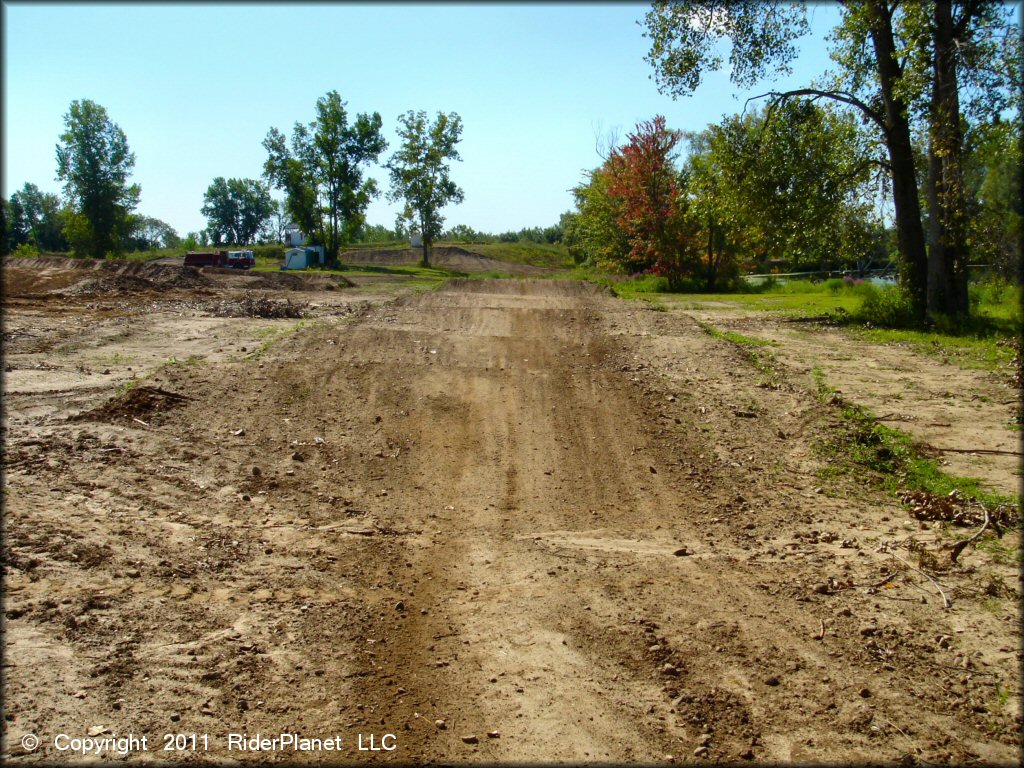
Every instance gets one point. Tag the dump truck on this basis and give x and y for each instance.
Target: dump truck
(229, 259)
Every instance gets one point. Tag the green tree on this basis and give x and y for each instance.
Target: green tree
(994, 179)
(146, 233)
(896, 61)
(592, 234)
(322, 173)
(236, 210)
(420, 171)
(94, 162)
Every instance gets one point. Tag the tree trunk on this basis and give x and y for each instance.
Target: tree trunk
(909, 230)
(947, 237)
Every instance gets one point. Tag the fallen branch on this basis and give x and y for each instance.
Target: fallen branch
(821, 634)
(946, 602)
(960, 546)
(140, 421)
(886, 580)
(987, 451)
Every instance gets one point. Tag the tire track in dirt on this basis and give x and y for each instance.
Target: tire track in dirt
(520, 508)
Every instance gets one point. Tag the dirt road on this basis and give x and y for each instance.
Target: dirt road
(503, 521)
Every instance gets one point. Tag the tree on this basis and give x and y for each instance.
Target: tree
(146, 233)
(420, 173)
(94, 161)
(236, 209)
(322, 173)
(643, 178)
(592, 234)
(896, 61)
(994, 180)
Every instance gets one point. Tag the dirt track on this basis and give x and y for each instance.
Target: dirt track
(567, 526)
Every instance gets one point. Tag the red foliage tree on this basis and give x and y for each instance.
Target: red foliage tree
(645, 183)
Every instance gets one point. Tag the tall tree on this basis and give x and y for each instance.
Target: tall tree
(322, 173)
(420, 171)
(236, 209)
(146, 233)
(592, 234)
(895, 60)
(644, 179)
(94, 162)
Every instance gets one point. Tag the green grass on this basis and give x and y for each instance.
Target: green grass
(549, 255)
(755, 349)
(891, 456)
(272, 334)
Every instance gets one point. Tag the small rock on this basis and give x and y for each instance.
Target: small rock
(772, 681)
(700, 751)
(132, 573)
(256, 471)
(681, 552)
(175, 717)
(821, 588)
(670, 670)
(238, 432)
(470, 739)
(96, 730)
(864, 693)
(945, 641)
(243, 705)
(441, 725)
(747, 754)
(867, 630)
(298, 457)
(494, 734)
(705, 739)
(400, 605)
(745, 414)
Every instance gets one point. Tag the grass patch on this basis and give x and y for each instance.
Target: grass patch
(548, 255)
(271, 335)
(755, 350)
(888, 457)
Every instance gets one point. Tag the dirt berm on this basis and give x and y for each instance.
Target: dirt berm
(451, 258)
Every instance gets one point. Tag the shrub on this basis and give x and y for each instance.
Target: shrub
(25, 249)
(835, 285)
(884, 307)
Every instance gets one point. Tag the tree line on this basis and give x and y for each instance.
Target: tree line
(321, 172)
(928, 84)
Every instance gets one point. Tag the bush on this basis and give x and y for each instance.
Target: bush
(269, 251)
(26, 250)
(884, 307)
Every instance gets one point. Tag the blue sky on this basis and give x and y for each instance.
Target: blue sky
(196, 87)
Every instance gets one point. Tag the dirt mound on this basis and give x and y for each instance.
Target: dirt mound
(50, 275)
(137, 403)
(449, 257)
(276, 281)
(257, 305)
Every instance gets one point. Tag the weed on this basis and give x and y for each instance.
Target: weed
(128, 386)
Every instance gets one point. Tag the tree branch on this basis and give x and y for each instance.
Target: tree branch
(846, 98)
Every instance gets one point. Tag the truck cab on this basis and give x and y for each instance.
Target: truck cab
(241, 259)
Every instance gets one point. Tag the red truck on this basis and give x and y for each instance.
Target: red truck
(230, 259)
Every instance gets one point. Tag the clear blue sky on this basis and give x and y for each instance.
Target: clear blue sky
(196, 87)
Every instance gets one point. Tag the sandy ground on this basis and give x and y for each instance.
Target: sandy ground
(505, 521)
